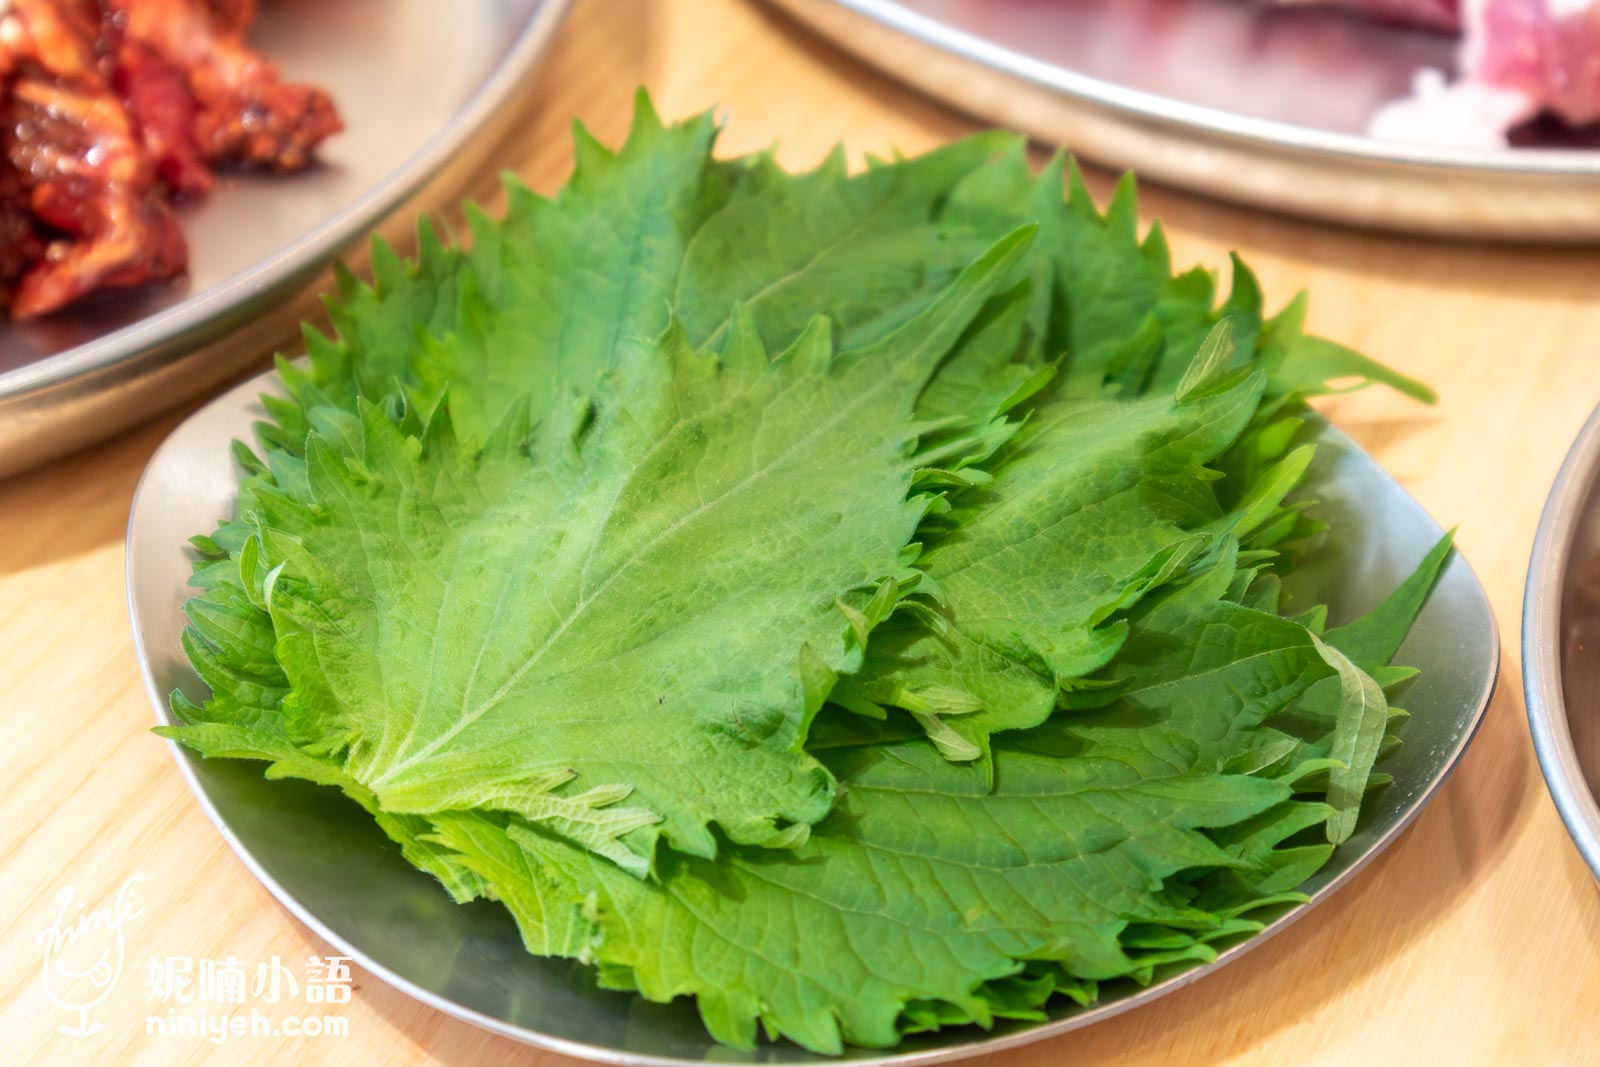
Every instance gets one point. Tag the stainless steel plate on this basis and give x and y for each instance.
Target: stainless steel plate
(1560, 628)
(415, 80)
(323, 858)
(1268, 109)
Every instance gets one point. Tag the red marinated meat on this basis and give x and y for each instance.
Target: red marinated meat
(20, 243)
(246, 115)
(232, 16)
(81, 163)
(111, 109)
(158, 98)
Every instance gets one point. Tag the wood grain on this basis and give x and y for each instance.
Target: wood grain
(1475, 940)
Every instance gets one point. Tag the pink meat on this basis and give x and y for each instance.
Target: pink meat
(1548, 51)
(1520, 59)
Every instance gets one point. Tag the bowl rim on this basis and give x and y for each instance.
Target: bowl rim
(1542, 653)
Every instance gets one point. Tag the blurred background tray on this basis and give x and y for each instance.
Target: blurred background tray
(1267, 109)
(421, 86)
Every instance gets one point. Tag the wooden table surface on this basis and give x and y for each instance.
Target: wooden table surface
(1474, 940)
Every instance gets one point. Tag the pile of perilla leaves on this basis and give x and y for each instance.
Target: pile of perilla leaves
(848, 600)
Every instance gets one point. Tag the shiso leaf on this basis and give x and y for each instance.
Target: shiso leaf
(922, 885)
(938, 640)
(1094, 504)
(511, 628)
(928, 882)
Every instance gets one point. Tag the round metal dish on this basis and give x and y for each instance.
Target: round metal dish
(259, 241)
(323, 858)
(1560, 628)
(1267, 109)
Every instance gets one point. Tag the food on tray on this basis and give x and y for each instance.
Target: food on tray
(1442, 14)
(113, 110)
(852, 601)
(1519, 60)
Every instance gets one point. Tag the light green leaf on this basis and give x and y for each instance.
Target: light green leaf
(544, 559)
(1095, 503)
(1358, 733)
(489, 629)
(922, 886)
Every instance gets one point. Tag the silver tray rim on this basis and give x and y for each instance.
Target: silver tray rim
(1197, 118)
(279, 269)
(1543, 690)
(245, 393)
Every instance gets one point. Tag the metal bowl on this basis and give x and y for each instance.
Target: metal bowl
(259, 241)
(323, 858)
(1561, 641)
(1266, 109)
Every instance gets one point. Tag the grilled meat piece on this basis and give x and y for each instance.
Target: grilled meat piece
(20, 244)
(245, 114)
(80, 159)
(109, 110)
(157, 97)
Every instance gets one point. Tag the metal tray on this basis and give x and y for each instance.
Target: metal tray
(1560, 627)
(415, 80)
(323, 858)
(1264, 108)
